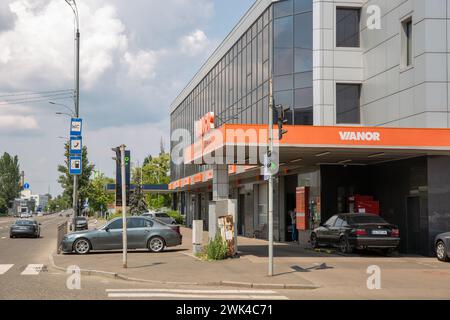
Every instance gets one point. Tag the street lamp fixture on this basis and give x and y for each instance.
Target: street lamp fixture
(72, 113)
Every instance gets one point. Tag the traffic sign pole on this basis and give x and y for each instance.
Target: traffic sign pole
(124, 207)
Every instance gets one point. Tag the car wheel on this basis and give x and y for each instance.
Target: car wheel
(387, 252)
(314, 242)
(11, 236)
(156, 244)
(344, 246)
(441, 252)
(82, 246)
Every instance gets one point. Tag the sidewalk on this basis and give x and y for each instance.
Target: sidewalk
(178, 265)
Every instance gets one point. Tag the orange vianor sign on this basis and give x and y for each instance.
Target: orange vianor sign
(318, 136)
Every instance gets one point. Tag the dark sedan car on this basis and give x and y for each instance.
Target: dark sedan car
(25, 228)
(443, 247)
(141, 233)
(357, 231)
(81, 223)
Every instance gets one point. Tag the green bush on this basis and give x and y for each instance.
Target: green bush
(177, 216)
(217, 248)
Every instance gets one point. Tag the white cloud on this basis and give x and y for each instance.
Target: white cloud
(194, 43)
(17, 123)
(142, 64)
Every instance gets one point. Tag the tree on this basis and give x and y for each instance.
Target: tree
(58, 203)
(9, 181)
(99, 199)
(156, 171)
(66, 180)
(137, 200)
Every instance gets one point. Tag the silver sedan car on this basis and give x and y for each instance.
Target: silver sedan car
(142, 233)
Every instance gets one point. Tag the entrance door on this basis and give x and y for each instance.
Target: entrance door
(413, 225)
(241, 215)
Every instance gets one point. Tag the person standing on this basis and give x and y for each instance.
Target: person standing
(293, 216)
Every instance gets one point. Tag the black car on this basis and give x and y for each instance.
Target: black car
(25, 228)
(443, 247)
(357, 231)
(81, 223)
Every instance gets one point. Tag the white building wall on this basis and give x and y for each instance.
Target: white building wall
(418, 96)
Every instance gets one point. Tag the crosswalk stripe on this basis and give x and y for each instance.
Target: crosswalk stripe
(5, 267)
(32, 269)
(194, 296)
(192, 291)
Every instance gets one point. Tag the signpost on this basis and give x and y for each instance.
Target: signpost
(75, 167)
(76, 125)
(76, 145)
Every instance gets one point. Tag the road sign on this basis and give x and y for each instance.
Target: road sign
(26, 186)
(75, 166)
(76, 145)
(76, 126)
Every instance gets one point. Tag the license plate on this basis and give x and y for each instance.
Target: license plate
(380, 232)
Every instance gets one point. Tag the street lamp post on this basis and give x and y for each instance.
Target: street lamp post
(73, 6)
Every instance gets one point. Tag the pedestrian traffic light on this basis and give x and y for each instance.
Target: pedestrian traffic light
(282, 121)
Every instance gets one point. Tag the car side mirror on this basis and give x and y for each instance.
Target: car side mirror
(107, 229)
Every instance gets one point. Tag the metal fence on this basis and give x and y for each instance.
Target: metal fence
(63, 229)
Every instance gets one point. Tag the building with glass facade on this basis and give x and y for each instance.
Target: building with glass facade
(356, 65)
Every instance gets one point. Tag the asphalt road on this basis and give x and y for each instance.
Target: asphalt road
(25, 273)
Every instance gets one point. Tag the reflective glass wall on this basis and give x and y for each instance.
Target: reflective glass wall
(279, 43)
(293, 59)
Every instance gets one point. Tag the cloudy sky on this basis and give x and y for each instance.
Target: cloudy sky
(136, 56)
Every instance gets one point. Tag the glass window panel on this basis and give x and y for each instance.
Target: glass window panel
(303, 60)
(265, 44)
(283, 83)
(266, 71)
(303, 116)
(303, 30)
(303, 80)
(284, 98)
(348, 103)
(283, 63)
(283, 8)
(302, 5)
(303, 97)
(283, 32)
(347, 27)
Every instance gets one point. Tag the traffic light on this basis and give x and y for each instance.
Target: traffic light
(282, 121)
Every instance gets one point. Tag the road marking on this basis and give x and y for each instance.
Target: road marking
(32, 270)
(3, 237)
(194, 291)
(5, 267)
(195, 294)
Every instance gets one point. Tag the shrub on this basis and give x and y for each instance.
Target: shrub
(217, 248)
(177, 216)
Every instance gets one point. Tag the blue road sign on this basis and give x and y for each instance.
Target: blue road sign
(76, 145)
(75, 167)
(76, 126)
(26, 186)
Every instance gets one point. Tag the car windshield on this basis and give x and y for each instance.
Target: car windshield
(25, 222)
(81, 219)
(364, 219)
(162, 215)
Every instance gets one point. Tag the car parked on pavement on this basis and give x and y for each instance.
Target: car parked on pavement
(442, 242)
(25, 228)
(162, 216)
(142, 233)
(357, 231)
(81, 223)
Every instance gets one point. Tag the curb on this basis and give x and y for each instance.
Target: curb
(213, 283)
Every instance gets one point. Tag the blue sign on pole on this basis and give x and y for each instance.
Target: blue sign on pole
(76, 145)
(75, 167)
(76, 126)
(26, 186)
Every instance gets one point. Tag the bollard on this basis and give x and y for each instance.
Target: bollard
(197, 236)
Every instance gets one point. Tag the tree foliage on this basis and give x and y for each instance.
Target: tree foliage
(156, 171)
(9, 181)
(58, 203)
(66, 180)
(99, 199)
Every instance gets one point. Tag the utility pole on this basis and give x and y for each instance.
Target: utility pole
(124, 206)
(270, 153)
(73, 6)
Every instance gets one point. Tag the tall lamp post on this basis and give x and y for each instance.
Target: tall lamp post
(73, 6)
